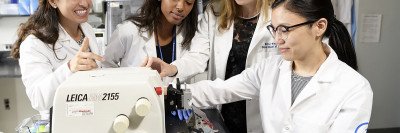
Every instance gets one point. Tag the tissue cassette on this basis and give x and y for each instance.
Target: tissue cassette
(110, 100)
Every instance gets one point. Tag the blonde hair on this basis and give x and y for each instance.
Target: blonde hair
(228, 10)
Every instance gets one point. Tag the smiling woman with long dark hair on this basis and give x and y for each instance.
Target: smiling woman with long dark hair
(55, 42)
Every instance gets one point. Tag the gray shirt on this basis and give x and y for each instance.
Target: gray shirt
(298, 83)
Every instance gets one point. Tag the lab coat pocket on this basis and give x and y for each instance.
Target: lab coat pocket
(304, 125)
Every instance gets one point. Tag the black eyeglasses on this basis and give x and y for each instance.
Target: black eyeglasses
(282, 30)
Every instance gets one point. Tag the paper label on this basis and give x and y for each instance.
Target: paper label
(77, 109)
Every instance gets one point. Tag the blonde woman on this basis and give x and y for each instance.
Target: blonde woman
(238, 40)
(237, 36)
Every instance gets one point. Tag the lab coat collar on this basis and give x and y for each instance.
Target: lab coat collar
(326, 71)
(64, 38)
(325, 74)
(62, 34)
(179, 38)
(147, 34)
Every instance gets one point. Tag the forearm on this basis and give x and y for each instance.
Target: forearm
(209, 93)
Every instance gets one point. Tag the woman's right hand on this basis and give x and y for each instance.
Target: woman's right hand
(164, 69)
(83, 59)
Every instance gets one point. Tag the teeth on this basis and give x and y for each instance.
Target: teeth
(81, 12)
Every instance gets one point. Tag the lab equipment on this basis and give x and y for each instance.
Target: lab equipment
(34, 124)
(117, 11)
(108, 100)
(98, 6)
(120, 100)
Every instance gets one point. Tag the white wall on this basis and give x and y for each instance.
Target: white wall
(380, 62)
(20, 108)
(9, 27)
(7, 117)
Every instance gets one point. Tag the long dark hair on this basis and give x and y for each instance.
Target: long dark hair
(43, 24)
(149, 17)
(339, 38)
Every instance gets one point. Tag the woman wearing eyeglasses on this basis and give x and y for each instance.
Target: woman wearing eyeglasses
(311, 87)
(237, 35)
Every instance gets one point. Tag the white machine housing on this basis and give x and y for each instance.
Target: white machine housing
(91, 101)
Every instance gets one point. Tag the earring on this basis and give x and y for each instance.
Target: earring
(54, 5)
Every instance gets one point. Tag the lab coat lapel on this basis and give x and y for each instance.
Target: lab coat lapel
(179, 40)
(150, 46)
(94, 47)
(258, 34)
(309, 90)
(65, 40)
(224, 40)
(322, 79)
(222, 45)
(284, 83)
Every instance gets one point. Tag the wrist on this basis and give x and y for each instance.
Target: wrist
(176, 71)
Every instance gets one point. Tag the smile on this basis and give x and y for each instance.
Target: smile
(81, 13)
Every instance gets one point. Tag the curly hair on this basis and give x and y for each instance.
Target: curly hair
(43, 24)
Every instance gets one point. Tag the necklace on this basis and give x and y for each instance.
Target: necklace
(80, 41)
(250, 17)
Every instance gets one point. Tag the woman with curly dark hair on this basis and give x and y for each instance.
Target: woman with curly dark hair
(55, 42)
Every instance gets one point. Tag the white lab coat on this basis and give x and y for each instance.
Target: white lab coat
(343, 12)
(336, 99)
(42, 72)
(129, 47)
(261, 46)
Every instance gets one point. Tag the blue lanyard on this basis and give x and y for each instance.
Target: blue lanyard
(173, 46)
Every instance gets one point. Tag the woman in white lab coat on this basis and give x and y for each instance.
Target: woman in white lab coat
(49, 48)
(235, 31)
(311, 87)
(163, 29)
(238, 40)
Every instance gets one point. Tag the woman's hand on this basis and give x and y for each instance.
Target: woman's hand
(164, 69)
(84, 60)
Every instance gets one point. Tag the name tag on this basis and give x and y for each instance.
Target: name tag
(269, 45)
